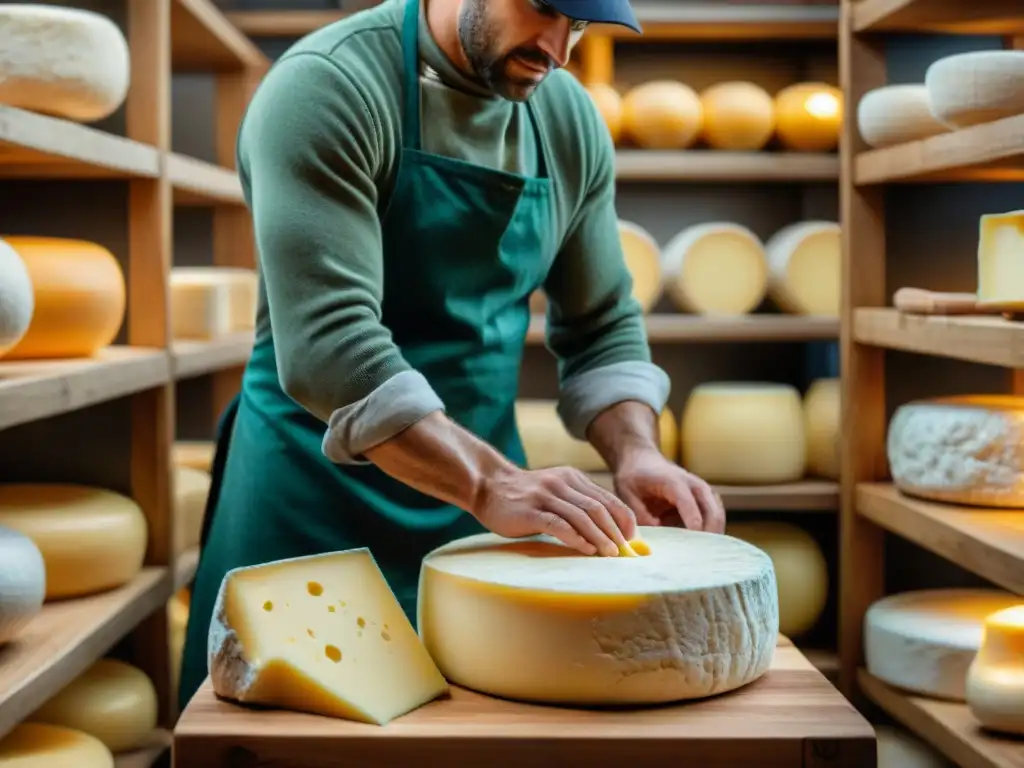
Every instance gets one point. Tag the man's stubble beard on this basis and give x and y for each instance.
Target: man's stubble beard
(479, 39)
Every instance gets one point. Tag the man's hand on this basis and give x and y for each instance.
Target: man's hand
(561, 502)
(661, 492)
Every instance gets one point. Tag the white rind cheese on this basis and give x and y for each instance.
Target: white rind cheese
(995, 680)
(966, 449)
(17, 298)
(64, 62)
(896, 114)
(805, 268)
(977, 87)
(924, 641)
(1001, 261)
(529, 619)
(22, 582)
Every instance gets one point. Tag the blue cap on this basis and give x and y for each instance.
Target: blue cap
(598, 12)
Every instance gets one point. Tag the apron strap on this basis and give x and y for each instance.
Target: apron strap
(411, 75)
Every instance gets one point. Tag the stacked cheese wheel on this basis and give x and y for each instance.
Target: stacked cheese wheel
(209, 302)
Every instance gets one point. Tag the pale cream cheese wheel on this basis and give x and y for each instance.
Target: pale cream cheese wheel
(738, 116)
(896, 114)
(805, 268)
(662, 114)
(823, 428)
(977, 87)
(995, 679)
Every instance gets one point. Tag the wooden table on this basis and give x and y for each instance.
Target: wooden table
(790, 718)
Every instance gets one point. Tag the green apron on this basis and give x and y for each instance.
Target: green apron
(464, 247)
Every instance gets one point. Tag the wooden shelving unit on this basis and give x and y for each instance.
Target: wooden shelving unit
(989, 543)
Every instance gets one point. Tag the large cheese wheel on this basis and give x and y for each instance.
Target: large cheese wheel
(966, 449)
(744, 433)
(191, 489)
(39, 745)
(716, 268)
(662, 114)
(91, 539)
(805, 268)
(79, 295)
(207, 302)
(995, 679)
(62, 61)
(898, 748)
(976, 87)
(609, 106)
(196, 454)
(738, 116)
(808, 117)
(177, 623)
(113, 701)
(22, 582)
(895, 114)
(547, 443)
(822, 428)
(17, 299)
(530, 619)
(801, 571)
(924, 641)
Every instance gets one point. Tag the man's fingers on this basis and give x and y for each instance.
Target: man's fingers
(712, 509)
(567, 506)
(621, 515)
(643, 514)
(679, 494)
(556, 526)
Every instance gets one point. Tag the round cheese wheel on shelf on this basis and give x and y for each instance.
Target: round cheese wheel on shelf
(822, 428)
(194, 454)
(40, 745)
(744, 433)
(91, 539)
(977, 87)
(995, 679)
(805, 268)
(965, 449)
(801, 571)
(17, 299)
(79, 294)
(191, 489)
(112, 700)
(530, 619)
(808, 117)
(717, 268)
(896, 114)
(738, 116)
(22, 582)
(662, 114)
(609, 106)
(898, 748)
(177, 623)
(924, 641)
(64, 62)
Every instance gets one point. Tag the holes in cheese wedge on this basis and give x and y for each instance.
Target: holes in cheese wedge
(315, 589)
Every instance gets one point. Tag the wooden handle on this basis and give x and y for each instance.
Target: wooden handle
(918, 301)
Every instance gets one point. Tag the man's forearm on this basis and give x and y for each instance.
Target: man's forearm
(623, 430)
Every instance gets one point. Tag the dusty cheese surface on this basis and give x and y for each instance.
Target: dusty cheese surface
(530, 619)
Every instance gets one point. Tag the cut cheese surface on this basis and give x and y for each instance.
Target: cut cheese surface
(738, 116)
(966, 449)
(39, 745)
(1001, 261)
(967, 89)
(662, 114)
(744, 433)
(822, 428)
(113, 701)
(17, 299)
(895, 114)
(924, 641)
(321, 634)
(22, 582)
(532, 620)
(808, 117)
(79, 297)
(899, 748)
(91, 539)
(191, 489)
(717, 268)
(61, 61)
(995, 679)
(194, 454)
(805, 266)
(207, 302)
(609, 105)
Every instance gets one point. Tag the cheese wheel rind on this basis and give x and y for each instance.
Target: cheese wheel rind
(897, 114)
(662, 114)
(531, 620)
(715, 268)
(194, 454)
(822, 428)
(976, 87)
(191, 490)
(22, 582)
(208, 302)
(966, 449)
(805, 267)
(32, 745)
(995, 679)
(808, 117)
(924, 641)
(64, 62)
(738, 116)
(17, 298)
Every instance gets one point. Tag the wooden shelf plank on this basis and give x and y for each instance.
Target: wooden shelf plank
(185, 567)
(719, 166)
(946, 725)
(988, 152)
(825, 661)
(38, 146)
(978, 17)
(145, 756)
(204, 40)
(67, 637)
(31, 390)
(987, 542)
(199, 183)
(986, 340)
(196, 358)
(804, 496)
(669, 327)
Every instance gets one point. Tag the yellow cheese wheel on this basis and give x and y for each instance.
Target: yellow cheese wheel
(79, 294)
(112, 700)
(91, 539)
(995, 679)
(177, 623)
(609, 105)
(38, 745)
(801, 571)
(808, 117)
(194, 454)
(805, 268)
(191, 489)
(822, 428)
(662, 114)
(738, 116)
